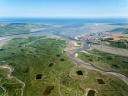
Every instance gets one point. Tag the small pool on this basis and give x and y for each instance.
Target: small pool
(100, 81)
(79, 72)
(39, 76)
(91, 93)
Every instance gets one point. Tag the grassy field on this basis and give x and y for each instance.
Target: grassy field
(9, 86)
(119, 44)
(60, 76)
(19, 28)
(106, 61)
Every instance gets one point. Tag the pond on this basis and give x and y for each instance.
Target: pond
(51, 64)
(39, 76)
(79, 72)
(109, 58)
(116, 66)
(61, 59)
(48, 90)
(91, 93)
(100, 81)
(58, 55)
(1, 49)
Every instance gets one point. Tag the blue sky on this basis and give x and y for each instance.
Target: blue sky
(64, 8)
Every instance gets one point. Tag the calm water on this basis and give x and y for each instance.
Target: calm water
(64, 20)
(67, 24)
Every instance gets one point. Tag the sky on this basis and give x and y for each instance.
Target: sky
(64, 8)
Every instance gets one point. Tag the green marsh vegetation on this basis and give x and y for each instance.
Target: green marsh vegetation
(19, 28)
(107, 61)
(43, 56)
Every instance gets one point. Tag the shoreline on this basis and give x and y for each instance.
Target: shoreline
(70, 54)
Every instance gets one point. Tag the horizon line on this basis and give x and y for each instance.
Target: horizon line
(69, 17)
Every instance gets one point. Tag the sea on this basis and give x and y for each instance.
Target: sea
(64, 20)
(66, 24)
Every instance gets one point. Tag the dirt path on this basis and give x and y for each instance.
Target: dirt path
(10, 77)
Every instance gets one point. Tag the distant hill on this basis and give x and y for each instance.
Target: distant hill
(119, 24)
(118, 30)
